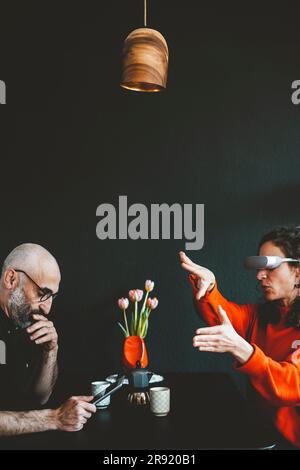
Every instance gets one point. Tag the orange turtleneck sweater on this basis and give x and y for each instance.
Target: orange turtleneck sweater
(274, 367)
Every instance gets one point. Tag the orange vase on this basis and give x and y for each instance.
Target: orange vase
(134, 351)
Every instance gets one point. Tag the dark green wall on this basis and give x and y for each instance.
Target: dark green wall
(225, 133)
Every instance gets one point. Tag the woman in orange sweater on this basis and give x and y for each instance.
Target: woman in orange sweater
(263, 338)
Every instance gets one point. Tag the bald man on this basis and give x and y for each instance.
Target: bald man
(28, 370)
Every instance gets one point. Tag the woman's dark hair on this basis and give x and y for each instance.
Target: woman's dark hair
(288, 240)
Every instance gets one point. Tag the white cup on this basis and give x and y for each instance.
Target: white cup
(160, 400)
(97, 387)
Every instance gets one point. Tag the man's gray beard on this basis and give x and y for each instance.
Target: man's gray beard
(20, 311)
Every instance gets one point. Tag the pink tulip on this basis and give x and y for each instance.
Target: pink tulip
(123, 303)
(149, 286)
(140, 294)
(135, 295)
(132, 295)
(152, 303)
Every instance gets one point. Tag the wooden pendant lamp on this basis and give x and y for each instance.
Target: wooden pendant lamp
(145, 59)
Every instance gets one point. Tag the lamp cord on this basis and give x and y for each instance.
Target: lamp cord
(145, 13)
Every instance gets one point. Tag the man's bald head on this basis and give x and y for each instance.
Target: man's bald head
(28, 271)
(32, 258)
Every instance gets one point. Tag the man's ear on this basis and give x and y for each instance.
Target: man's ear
(10, 279)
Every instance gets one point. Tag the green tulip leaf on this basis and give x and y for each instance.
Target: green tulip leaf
(123, 329)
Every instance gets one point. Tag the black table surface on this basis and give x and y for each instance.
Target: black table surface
(207, 412)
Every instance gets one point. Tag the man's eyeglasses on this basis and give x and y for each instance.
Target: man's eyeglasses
(46, 293)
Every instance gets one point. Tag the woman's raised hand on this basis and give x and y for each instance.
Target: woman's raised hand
(205, 278)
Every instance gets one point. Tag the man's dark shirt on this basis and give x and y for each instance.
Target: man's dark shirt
(19, 361)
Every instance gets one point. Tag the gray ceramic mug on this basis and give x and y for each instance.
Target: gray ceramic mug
(97, 387)
(160, 400)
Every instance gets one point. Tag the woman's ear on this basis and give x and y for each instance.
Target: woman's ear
(297, 280)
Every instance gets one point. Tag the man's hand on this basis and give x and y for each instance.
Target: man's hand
(43, 332)
(223, 338)
(206, 279)
(74, 413)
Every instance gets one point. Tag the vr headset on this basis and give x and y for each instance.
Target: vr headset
(266, 262)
